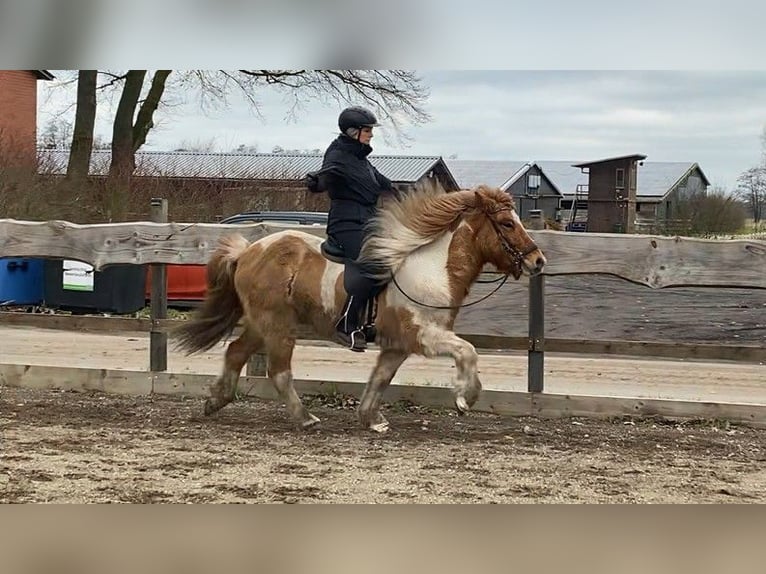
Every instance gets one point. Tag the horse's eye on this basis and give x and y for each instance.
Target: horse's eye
(507, 224)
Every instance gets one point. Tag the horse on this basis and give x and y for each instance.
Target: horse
(432, 243)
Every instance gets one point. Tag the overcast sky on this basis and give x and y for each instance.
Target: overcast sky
(713, 118)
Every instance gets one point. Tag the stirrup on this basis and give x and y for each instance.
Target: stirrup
(355, 340)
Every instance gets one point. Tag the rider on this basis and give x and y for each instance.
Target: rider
(354, 186)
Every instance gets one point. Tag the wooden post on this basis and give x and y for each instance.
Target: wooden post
(158, 340)
(257, 365)
(536, 333)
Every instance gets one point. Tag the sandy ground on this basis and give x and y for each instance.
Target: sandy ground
(62, 446)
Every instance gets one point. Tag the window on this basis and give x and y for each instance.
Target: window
(533, 185)
(620, 183)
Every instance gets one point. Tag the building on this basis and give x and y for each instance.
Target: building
(18, 115)
(660, 186)
(529, 185)
(563, 191)
(214, 185)
(611, 201)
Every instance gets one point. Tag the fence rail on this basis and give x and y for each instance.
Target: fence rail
(654, 261)
(493, 343)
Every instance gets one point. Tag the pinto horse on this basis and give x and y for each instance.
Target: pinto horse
(434, 244)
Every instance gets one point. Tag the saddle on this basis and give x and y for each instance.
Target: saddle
(333, 251)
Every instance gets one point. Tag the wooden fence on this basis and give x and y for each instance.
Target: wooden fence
(657, 262)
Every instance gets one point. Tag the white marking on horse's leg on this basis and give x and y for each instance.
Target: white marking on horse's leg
(312, 420)
(437, 341)
(369, 414)
(280, 352)
(329, 280)
(381, 427)
(284, 383)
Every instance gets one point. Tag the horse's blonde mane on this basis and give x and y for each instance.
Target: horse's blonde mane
(421, 216)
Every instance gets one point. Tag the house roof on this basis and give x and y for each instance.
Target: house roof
(402, 169)
(654, 179)
(564, 175)
(470, 173)
(636, 156)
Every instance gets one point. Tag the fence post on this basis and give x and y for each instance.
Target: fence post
(256, 366)
(158, 339)
(536, 333)
(536, 318)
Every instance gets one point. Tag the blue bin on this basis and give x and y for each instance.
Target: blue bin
(21, 281)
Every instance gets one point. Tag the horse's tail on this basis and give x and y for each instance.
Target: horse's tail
(221, 309)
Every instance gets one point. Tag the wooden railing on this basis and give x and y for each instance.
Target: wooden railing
(657, 262)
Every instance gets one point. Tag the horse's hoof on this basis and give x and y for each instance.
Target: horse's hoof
(380, 428)
(310, 423)
(461, 405)
(210, 407)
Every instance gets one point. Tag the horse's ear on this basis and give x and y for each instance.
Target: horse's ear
(479, 201)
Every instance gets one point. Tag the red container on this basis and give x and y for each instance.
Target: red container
(185, 282)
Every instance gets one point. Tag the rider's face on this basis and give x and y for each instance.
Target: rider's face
(365, 135)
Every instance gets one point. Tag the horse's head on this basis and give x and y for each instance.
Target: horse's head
(501, 236)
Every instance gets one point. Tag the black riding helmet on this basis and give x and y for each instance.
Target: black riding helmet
(356, 117)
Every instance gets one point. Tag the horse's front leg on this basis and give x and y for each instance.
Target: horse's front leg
(388, 363)
(437, 341)
(280, 356)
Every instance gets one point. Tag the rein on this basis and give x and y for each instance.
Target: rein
(403, 292)
(516, 256)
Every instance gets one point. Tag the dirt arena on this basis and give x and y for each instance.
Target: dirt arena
(60, 446)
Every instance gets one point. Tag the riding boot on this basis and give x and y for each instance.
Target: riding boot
(348, 329)
(370, 331)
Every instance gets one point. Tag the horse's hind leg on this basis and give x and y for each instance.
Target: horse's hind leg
(237, 354)
(436, 341)
(388, 363)
(280, 354)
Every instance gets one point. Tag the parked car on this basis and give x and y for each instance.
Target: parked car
(299, 217)
(187, 283)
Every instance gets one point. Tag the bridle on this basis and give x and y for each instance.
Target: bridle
(516, 255)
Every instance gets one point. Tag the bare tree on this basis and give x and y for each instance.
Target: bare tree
(57, 134)
(84, 123)
(395, 95)
(709, 213)
(128, 136)
(752, 190)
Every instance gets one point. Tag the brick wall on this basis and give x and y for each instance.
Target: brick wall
(18, 115)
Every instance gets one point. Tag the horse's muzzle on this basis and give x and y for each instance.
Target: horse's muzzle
(534, 262)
